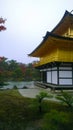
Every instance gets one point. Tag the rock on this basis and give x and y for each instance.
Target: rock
(25, 87)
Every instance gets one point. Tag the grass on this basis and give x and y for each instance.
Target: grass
(18, 112)
(15, 111)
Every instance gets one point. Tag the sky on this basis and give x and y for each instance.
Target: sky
(27, 23)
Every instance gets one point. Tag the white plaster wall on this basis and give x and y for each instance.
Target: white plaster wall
(65, 77)
(49, 77)
(65, 74)
(54, 77)
(65, 81)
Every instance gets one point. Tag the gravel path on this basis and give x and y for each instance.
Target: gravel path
(32, 92)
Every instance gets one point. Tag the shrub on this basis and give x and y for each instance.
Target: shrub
(66, 98)
(40, 98)
(14, 87)
(57, 121)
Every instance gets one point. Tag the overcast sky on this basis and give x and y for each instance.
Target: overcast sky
(27, 22)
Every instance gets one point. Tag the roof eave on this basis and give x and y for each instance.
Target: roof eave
(52, 34)
(45, 38)
(65, 15)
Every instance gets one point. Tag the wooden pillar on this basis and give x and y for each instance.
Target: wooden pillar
(44, 76)
(58, 64)
(41, 76)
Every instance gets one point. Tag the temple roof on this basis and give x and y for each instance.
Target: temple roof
(64, 23)
(49, 42)
(55, 37)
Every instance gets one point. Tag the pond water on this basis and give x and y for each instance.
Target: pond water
(19, 84)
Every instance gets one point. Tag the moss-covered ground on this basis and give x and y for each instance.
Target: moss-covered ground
(20, 113)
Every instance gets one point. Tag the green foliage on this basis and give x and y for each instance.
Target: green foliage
(40, 98)
(31, 74)
(66, 98)
(14, 110)
(42, 95)
(11, 70)
(14, 87)
(19, 113)
(55, 120)
(3, 66)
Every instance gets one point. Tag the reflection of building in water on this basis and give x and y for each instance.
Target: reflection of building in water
(56, 53)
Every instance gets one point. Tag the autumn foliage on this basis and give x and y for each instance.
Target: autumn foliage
(12, 70)
(2, 27)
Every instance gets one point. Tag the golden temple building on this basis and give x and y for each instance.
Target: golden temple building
(56, 54)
